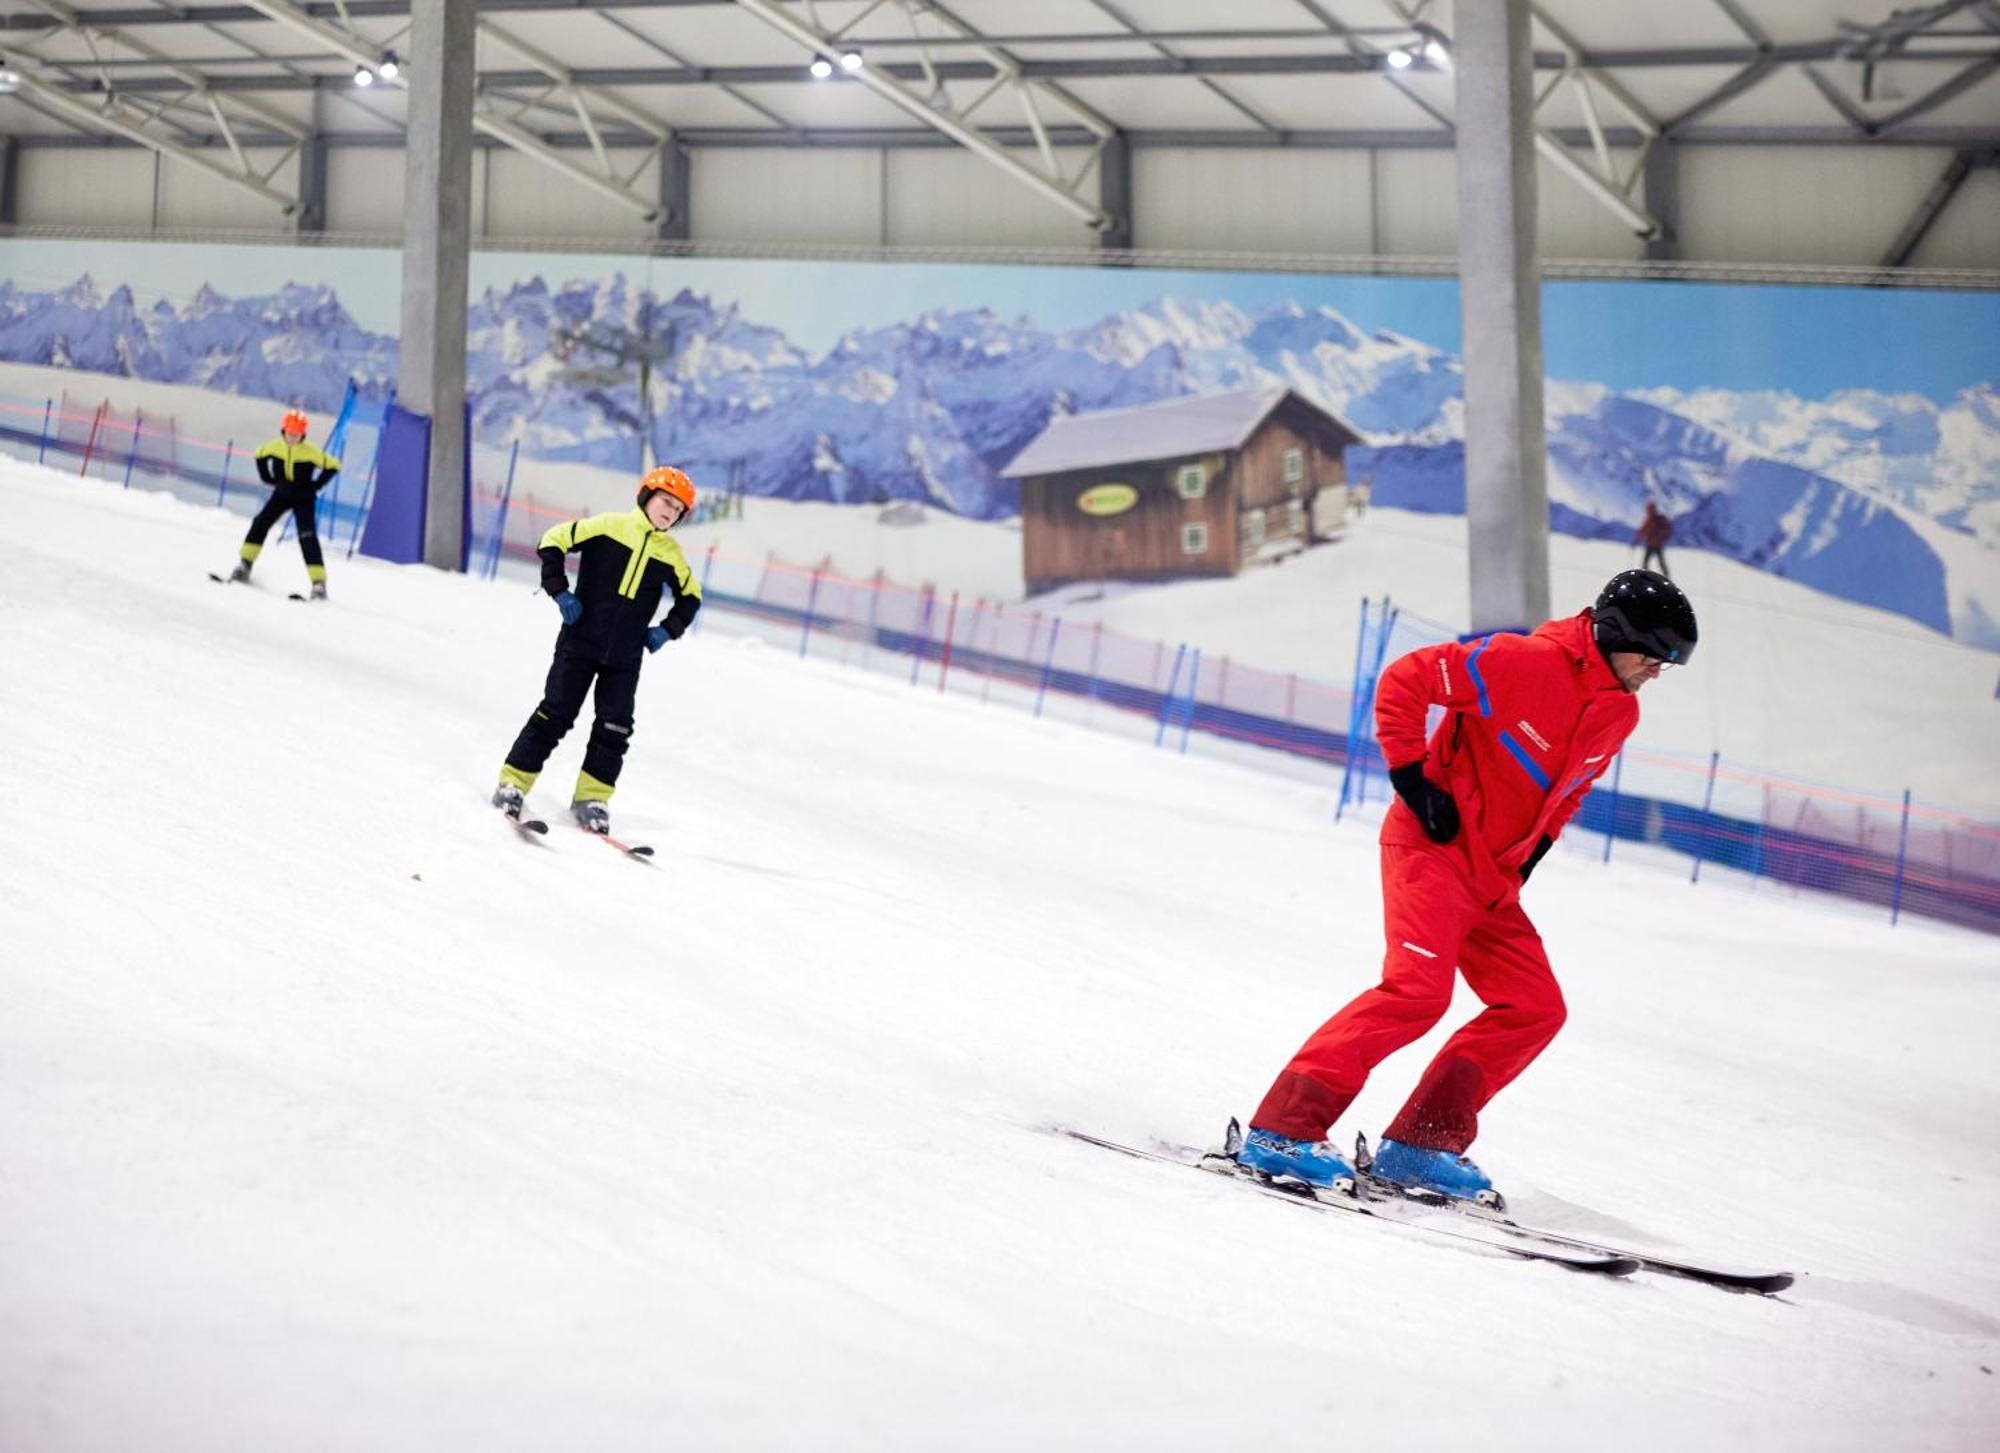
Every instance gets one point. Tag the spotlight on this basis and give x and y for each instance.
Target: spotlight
(10, 82)
(850, 60)
(363, 76)
(390, 65)
(820, 68)
(1399, 60)
(1436, 54)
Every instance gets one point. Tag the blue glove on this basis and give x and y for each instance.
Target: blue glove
(571, 608)
(656, 637)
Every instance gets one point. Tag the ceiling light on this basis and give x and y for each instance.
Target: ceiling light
(10, 82)
(1435, 53)
(820, 68)
(1399, 60)
(363, 76)
(389, 67)
(850, 60)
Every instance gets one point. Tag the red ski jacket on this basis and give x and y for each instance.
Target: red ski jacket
(1530, 722)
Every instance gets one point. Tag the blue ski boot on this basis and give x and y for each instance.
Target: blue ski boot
(1439, 1171)
(1313, 1161)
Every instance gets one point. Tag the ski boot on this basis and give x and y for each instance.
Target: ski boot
(592, 817)
(1435, 1172)
(241, 574)
(1313, 1162)
(510, 800)
(318, 590)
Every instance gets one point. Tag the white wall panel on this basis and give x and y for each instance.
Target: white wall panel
(190, 197)
(1417, 192)
(364, 189)
(524, 198)
(1967, 232)
(1221, 199)
(769, 195)
(1572, 223)
(949, 197)
(1800, 204)
(97, 187)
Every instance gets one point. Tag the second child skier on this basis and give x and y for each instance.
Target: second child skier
(627, 563)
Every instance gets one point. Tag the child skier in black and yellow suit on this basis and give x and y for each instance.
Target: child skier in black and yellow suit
(296, 471)
(626, 562)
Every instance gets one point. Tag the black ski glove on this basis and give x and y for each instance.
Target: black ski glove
(1541, 851)
(1430, 802)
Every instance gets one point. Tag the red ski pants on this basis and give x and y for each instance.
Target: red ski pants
(1433, 928)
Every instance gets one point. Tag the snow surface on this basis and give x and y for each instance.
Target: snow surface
(334, 1117)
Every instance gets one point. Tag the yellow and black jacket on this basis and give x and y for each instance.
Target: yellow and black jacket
(624, 566)
(301, 465)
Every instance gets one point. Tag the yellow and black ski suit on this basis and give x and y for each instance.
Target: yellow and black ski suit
(295, 473)
(624, 566)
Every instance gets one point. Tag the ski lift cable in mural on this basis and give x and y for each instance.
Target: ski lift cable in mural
(608, 353)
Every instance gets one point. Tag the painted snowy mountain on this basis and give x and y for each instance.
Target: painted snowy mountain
(1889, 500)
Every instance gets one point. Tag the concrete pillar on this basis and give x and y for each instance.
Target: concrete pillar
(674, 192)
(1114, 192)
(1663, 199)
(10, 165)
(1506, 489)
(437, 227)
(312, 185)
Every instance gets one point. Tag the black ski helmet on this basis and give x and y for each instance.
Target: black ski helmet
(1643, 611)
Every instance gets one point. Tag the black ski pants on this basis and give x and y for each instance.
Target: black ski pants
(299, 500)
(570, 679)
(1659, 553)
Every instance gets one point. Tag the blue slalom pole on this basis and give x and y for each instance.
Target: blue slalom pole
(1048, 664)
(222, 484)
(1194, 684)
(1902, 853)
(42, 448)
(1611, 828)
(1167, 701)
(1707, 801)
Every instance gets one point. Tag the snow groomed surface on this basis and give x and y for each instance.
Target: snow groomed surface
(334, 1115)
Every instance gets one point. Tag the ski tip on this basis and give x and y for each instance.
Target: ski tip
(640, 852)
(534, 825)
(218, 579)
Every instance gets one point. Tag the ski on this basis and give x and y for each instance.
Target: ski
(1764, 1283)
(1599, 1262)
(631, 850)
(528, 826)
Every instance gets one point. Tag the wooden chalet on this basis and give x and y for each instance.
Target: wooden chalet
(1198, 486)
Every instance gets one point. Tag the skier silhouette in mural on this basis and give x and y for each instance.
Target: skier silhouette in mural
(627, 567)
(1654, 531)
(296, 472)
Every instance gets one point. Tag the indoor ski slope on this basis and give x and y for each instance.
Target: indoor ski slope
(334, 1116)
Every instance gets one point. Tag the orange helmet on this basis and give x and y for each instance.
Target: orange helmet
(295, 419)
(668, 480)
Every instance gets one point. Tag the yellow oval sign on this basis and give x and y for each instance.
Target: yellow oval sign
(1107, 499)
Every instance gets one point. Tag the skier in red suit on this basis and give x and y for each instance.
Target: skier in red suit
(1529, 723)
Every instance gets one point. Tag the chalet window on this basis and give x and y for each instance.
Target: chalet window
(1194, 538)
(1253, 528)
(1295, 518)
(1192, 482)
(1295, 465)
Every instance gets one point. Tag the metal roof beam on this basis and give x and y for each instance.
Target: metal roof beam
(1244, 139)
(938, 112)
(363, 52)
(1934, 202)
(1965, 80)
(111, 118)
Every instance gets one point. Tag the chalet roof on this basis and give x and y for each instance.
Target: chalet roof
(1198, 424)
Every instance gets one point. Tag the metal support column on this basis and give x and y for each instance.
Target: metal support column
(1114, 194)
(674, 190)
(437, 222)
(1663, 199)
(1506, 488)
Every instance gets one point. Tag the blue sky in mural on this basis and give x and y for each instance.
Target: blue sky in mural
(1809, 341)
